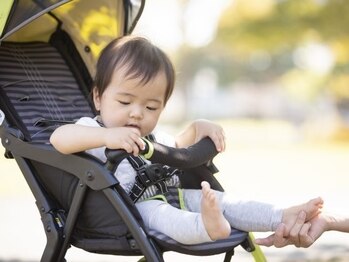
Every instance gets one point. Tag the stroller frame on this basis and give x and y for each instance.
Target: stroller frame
(58, 231)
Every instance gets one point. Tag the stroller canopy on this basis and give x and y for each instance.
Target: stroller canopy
(91, 24)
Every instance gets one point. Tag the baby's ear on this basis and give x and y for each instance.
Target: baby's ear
(96, 98)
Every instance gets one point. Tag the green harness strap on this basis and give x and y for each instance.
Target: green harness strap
(162, 197)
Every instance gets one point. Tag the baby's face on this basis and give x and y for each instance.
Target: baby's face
(130, 103)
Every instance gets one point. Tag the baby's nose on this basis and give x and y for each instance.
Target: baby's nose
(136, 112)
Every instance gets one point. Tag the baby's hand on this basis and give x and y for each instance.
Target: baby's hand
(126, 138)
(214, 131)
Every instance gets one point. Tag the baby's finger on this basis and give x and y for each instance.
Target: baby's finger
(128, 146)
(137, 140)
(135, 149)
(140, 143)
(222, 140)
(218, 141)
(135, 146)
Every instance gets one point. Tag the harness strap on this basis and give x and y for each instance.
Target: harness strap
(148, 175)
(138, 189)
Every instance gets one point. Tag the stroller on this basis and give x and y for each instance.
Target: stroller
(48, 50)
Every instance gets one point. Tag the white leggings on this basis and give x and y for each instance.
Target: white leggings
(187, 227)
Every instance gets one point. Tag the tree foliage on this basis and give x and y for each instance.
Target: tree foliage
(285, 25)
(280, 27)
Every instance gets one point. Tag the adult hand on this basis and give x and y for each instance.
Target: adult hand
(301, 234)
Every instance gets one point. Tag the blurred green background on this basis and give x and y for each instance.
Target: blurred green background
(258, 59)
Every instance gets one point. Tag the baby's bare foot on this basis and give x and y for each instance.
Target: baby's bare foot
(312, 208)
(215, 223)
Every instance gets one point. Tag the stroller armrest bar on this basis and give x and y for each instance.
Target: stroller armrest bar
(114, 157)
(193, 156)
(87, 168)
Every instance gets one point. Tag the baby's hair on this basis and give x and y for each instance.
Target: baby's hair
(139, 57)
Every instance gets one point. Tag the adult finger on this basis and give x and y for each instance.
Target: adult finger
(267, 241)
(277, 239)
(305, 239)
(280, 240)
(296, 229)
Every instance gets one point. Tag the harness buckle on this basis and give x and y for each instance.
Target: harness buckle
(148, 175)
(155, 173)
(152, 174)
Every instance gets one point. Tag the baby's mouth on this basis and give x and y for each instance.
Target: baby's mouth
(133, 126)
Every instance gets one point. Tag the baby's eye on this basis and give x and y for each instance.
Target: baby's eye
(152, 108)
(124, 102)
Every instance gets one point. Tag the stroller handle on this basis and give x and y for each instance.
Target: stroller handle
(193, 156)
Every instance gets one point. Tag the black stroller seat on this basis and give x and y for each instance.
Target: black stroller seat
(46, 84)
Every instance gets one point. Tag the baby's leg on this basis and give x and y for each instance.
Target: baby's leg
(311, 208)
(243, 215)
(183, 226)
(215, 223)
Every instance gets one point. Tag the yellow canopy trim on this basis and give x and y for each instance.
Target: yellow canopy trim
(5, 8)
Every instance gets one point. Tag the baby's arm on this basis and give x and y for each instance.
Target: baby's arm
(74, 138)
(200, 129)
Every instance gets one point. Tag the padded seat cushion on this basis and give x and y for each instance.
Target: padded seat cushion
(41, 88)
